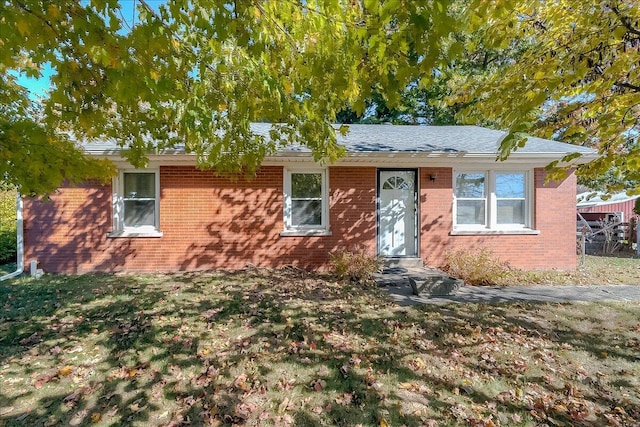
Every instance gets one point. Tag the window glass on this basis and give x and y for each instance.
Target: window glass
(139, 185)
(306, 185)
(470, 212)
(139, 199)
(510, 185)
(306, 200)
(491, 199)
(139, 213)
(470, 185)
(306, 212)
(510, 212)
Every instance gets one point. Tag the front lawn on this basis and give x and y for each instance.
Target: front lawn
(291, 348)
(619, 269)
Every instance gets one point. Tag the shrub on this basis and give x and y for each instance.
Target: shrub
(7, 226)
(476, 267)
(356, 266)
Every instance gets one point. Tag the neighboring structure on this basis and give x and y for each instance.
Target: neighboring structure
(401, 191)
(619, 203)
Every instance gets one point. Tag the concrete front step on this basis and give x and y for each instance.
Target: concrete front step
(412, 262)
(419, 280)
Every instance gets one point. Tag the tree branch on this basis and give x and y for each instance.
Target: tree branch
(634, 88)
(279, 27)
(626, 21)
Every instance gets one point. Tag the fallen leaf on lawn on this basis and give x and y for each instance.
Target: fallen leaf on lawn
(65, 371)
(344, 399)
(32, 339)
(283, 406)
(318, 385)
(78, 418)
(96, 417)
(383, 423)
(52, 422)
(241, 383)
(407, 386)
(42, 380)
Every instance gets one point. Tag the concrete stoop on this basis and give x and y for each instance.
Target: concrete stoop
(407, 263)
(420, 280)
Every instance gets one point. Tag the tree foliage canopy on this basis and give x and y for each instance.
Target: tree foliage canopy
(562, 69)
(197, 72)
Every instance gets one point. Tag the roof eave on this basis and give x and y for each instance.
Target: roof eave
(414, 158)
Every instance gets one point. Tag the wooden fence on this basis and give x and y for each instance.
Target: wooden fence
(607, 234)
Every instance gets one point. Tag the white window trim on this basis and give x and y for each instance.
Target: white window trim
(491, 214)
(313, 230)
(119, 229)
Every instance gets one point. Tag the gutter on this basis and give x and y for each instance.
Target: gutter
(19, 241)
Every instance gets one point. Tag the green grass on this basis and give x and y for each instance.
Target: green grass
(7, 268)
(291, 348)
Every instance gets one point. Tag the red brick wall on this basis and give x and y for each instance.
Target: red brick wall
(213, 222)
(208, 222)
(554, 217)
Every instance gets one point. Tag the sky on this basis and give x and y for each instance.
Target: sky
(39, 88)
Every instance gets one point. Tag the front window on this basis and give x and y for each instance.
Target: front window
(136, 204)
(470, 191)
(139, 199)
(305, 200)
(510, 198)
(491, 200)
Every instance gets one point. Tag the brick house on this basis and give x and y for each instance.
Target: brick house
(401, 191)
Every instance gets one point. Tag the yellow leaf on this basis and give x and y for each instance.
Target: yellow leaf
(96, 417)
(540, 75)
(65, 371)
(23, 28)
(288, 88)
(154, 75)
(175, 43)
(53, 12)
(383, 423)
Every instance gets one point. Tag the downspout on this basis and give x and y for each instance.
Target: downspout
(19, 242)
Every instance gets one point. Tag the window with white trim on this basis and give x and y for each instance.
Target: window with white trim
(136, 203)
(306, 201)
(492, 200)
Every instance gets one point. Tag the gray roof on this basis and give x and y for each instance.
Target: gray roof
(436, 139)
(368, 138)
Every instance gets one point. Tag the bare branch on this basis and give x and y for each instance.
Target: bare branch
(634, 88)
(626, 21)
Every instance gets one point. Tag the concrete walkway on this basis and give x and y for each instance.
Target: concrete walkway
(403, 294)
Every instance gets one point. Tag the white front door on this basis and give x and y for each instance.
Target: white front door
(397, 213)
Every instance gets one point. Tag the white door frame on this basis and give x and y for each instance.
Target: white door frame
(416, 211)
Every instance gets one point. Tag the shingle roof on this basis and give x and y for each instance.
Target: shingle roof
(433, 139)
(365, 138)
